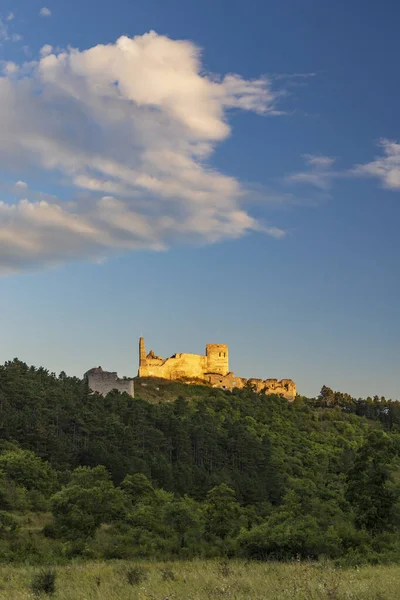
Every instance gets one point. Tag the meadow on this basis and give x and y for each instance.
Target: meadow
(200, 580)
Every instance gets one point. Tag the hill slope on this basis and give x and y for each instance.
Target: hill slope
(316, 475)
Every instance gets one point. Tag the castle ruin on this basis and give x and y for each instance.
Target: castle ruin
(212, 368)
(104, 382)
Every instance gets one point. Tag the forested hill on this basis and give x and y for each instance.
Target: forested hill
(323, 464)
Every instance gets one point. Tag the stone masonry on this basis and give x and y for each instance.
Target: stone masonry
(212, 368)
(104, 382)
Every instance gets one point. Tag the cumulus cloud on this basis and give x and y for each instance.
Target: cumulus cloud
(9, 67)
(45, 12)
(385, 167)
(319, 172)
(10, 16)
(46, 50)
(132, 125)
(21, 185)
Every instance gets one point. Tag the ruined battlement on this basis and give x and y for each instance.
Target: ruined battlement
(213, 368)
(104, 382)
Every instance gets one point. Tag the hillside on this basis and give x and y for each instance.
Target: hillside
(185, 470)
(156, 390)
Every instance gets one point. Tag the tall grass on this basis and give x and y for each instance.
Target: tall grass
(201, 580)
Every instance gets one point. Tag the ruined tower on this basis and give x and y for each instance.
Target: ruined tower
(142, 352)
(217, 358)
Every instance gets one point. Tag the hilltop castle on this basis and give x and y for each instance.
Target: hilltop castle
(212, 368)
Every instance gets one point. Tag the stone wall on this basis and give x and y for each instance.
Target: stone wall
(177, 367)
(283, 387)
(104, 382)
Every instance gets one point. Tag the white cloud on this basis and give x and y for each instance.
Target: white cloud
(137, 122)
(386, 167)
(31, 229)
(9, 67)
(21, 185)
(319, 173)
(46, 50)
(275, 232)
(45, 12)
(5, 34)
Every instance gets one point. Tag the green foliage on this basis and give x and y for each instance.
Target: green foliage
(8, 524)
(195, 472)
(369, 484)
(223, 514)
(138, 488)
(87, 501)
(185, 517)
(28, 471)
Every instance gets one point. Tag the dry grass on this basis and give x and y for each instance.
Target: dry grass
(200, 580)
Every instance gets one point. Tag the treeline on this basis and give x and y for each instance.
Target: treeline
(208, 473)
(378, 408)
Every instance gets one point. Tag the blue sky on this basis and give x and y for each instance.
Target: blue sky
(233, 177)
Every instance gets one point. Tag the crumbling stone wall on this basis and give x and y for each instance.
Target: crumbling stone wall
(104, 382)
(183, 365)
(283, 387)
(177, 367)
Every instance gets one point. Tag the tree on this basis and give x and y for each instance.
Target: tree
(29, 481)
(138, 488)
(222, 513)
(28, 470)
(369, 482)
(184, 516)
(87, 501)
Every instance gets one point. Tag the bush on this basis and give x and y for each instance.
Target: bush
(109, 543)
(7, 523)
(136, 574)
(89, 500)
(168, 574)
(44, 582)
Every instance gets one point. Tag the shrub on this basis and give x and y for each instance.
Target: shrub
(7, 523)
(136, 574)
(224, 568)
(44, 582)
(168, 574)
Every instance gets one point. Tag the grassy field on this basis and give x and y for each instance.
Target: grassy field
(199, 580)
